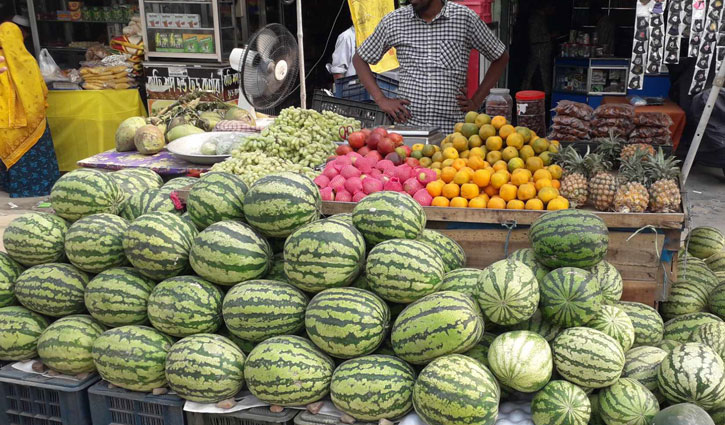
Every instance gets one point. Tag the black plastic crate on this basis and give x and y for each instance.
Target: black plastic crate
(33, 399)
(116, 406)
(307, 418)
(368, 114)
(351, 88)
(254, 416)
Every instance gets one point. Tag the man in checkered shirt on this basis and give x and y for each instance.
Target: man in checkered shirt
(433, 40)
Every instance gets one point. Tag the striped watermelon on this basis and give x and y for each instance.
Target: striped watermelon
(696, 272)
(684, 298)
(347, 322)
(569, 238)
(133, 180)
(276, 270)
(560, 403)
(648, 325)
(65, 346)
(146, 202)
(205, 368)
(704, 241)
(716, 262)
(9, 272)
(84, 192)
(610, 281)
(375, 387)
(185, 305)
(179, 183)
(692, 373)
(716, 414)
(388, 215)
(641, 363)
(95, 242)
(35, 238)
(402, 271)
(538, 324)
(344, 217)
(119, 297)
(436, 325)
(508, 292)
(288, 371)
(20, 329)
(521, 360)
(570, 297)
(218, 196)
(588, 357)
(462, 280)
(243, 344)
(479, 352)
(230, 252)
(53, 289)
(132, 357)
(628, 402)
(456, 390)
(716, 300)
(158, 245)
(712, 335)
(596, 417)
(324, 254)
(452, 253)
(528, 257)
(680, 329)
(614, 322)
(668, 345)
(279, 204)
(720, 277)
(259, 309)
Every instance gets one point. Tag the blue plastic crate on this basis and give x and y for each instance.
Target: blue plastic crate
(33, 399)
(116, 406)
(254, 416)
(352, 89)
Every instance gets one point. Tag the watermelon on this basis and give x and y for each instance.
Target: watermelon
(570, 297)
(596, 417)
(95, 242)
(716, 262)
(53, 289)
(279, 204)
(456, 390)
(453, 255)
(148, 201)
(9, 272)
(436, 325)
(158, 245)
(133, 180)
(720, 276)
(696, 272)
(65, 346)
(132, 357)
(668, 345)
(641, 363)
(680, 329)
(205, 368)
(508, 292)
(259, 309)
(521, 360)
(569, 238)
(560, 403)
(20, 329)
(610, 281)
(712, 335)
(179, 183)
(462, 280)
(84, 192)
(243, 344)
(692, 373)
(218, 196)
(344, 217)
(119, 297)
(528, 257)
(539, 325)
(717, 414)
(684, 298)
(614, 322)
(185, 305)
(347, 322)
(683, 414)
(35, 238)
(324, 254)
(276, 270)
(288, 371)
(628, 402)
(716, 301)
(229, 252)
(479, 352)
(403, 271)
(704, 241)
(388, 215)
(374, 387)
(588, 357)
(648, 325)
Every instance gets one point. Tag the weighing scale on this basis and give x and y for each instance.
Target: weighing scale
(418, 134)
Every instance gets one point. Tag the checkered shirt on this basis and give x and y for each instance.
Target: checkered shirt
(433, 58)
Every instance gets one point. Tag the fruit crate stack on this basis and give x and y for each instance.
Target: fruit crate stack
(110, 406)
(253, 416)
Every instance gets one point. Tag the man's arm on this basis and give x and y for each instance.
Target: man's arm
(396, 108)
(337, 76)
(489, 80)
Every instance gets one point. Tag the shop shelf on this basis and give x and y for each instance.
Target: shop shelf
(368, 114)
(254, 416)
(351, 88)
(116, 406)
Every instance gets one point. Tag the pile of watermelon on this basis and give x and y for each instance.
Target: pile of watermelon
(250, 288)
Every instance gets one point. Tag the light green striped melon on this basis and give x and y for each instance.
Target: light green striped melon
(680, 329)
(462, 280)
(668, 345)
(436, 325)
(716, 301)
(452, 253)
(132, 357)
(388, 215)
(229, 252)
(205, 368)
(614, 322)
(53, 289)
(344, 217)
(288, 371)
(148, 201)
(218, 196)
(178, 183)
(570, 297)
(9, 272)
(588, 357)
(276, 270)
(704, 241)
(696, 272)
(596, 417)
(35, 238)
(456, 390)
(712, 335)
(373, 387)
(692, 373)
(20, 329)
(717, 414)
(244, 345)
(528, 257)
(119, 297)
(684, 298)
(185, 305)
(641, 363)
(538, 324)
(648, 325)
(479, 352)
(84, 192)
(133, 180)
(610, 281)
(521, 360)
(95, 242)
(628, 402)
(66, 345)
(716, 262)
(569, 238)
(560, 403)
(508, 292)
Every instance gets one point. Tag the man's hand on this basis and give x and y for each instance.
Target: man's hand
(2, 68)
(396, 108)
(466, 104)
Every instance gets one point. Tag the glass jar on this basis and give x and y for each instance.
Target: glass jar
(500, 103)
(531, 111)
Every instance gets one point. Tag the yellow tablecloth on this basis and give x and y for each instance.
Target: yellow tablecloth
(83, 122)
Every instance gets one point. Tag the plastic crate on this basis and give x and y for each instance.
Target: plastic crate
(352, 89)
(254, 416)
(33, 399)
(116, 406)
(483, 8)
(368, 114)
(307, 418)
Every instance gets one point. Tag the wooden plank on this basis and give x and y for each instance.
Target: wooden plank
(641, 292)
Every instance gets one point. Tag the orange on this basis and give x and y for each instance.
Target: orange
(429, 150)
(546, 194)
(475, 162)
(475, 141)
(447, 174)
(516, 164)
(499, 179)
(525, 133)
(417, 147)
(426, 162)
(542, 173)
(469, 190)
(457, 128)
(494, 143)
(482, 178)
(498, 121)
(459, 163)
(506, 130)
(556, 184)
(509, 152)
(541, 183)
(486, 131)
(496, 203)
(459, 142)
(451, 190)
(500, 165)
(461, 177)
(480, 152)
(558, 203)
(507, 192)
(440, 201)
(478, 202)
(526, 152)
(437, 157)
(447, 162)
(517, 179)
(435, 188)
(465, 154)
(515, 140)
(526, 191)
(493, 156)
(470, 171)
(450, 153)
(555, 171)
(546, 157)
(540, 145)
(534, 163)
(459, 202)
(534, 204)
(515, 204)
(490, 190)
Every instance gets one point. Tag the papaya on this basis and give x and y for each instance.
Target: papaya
(149, 139)
(126, 132)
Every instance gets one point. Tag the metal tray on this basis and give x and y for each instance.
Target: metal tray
(188, 148)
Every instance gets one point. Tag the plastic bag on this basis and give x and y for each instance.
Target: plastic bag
(574, 109)
(651, 132)
(49, 69)
(562, 132)
(602, 126)
(666, 141)
(603, 131)
(615, 110)
(653, 119)
(569, 121)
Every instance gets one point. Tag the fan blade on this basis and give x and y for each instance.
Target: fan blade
(266, 41)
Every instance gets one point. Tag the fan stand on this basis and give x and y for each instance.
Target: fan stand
(301, 49)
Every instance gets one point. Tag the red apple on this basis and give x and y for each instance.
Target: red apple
(356, 139)
(412, 162)
(381, 131)
(367, 132)
(386, 146)
(373, 140)
(343, 149)
(363, 150)
(375, 155)
(397, 138)
(394, 158)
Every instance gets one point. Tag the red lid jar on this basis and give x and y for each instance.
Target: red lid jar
(531, 111)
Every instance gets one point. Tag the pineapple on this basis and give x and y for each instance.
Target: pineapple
(610, 147)
(633, 195)
(603, 184)
(664, 193)
(629, 150)
(574, 183)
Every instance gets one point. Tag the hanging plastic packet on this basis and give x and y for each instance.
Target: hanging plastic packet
(707, 45)
(639, 47)
(720, 45)
(699, 9)
(675, 27)
(657, 37)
